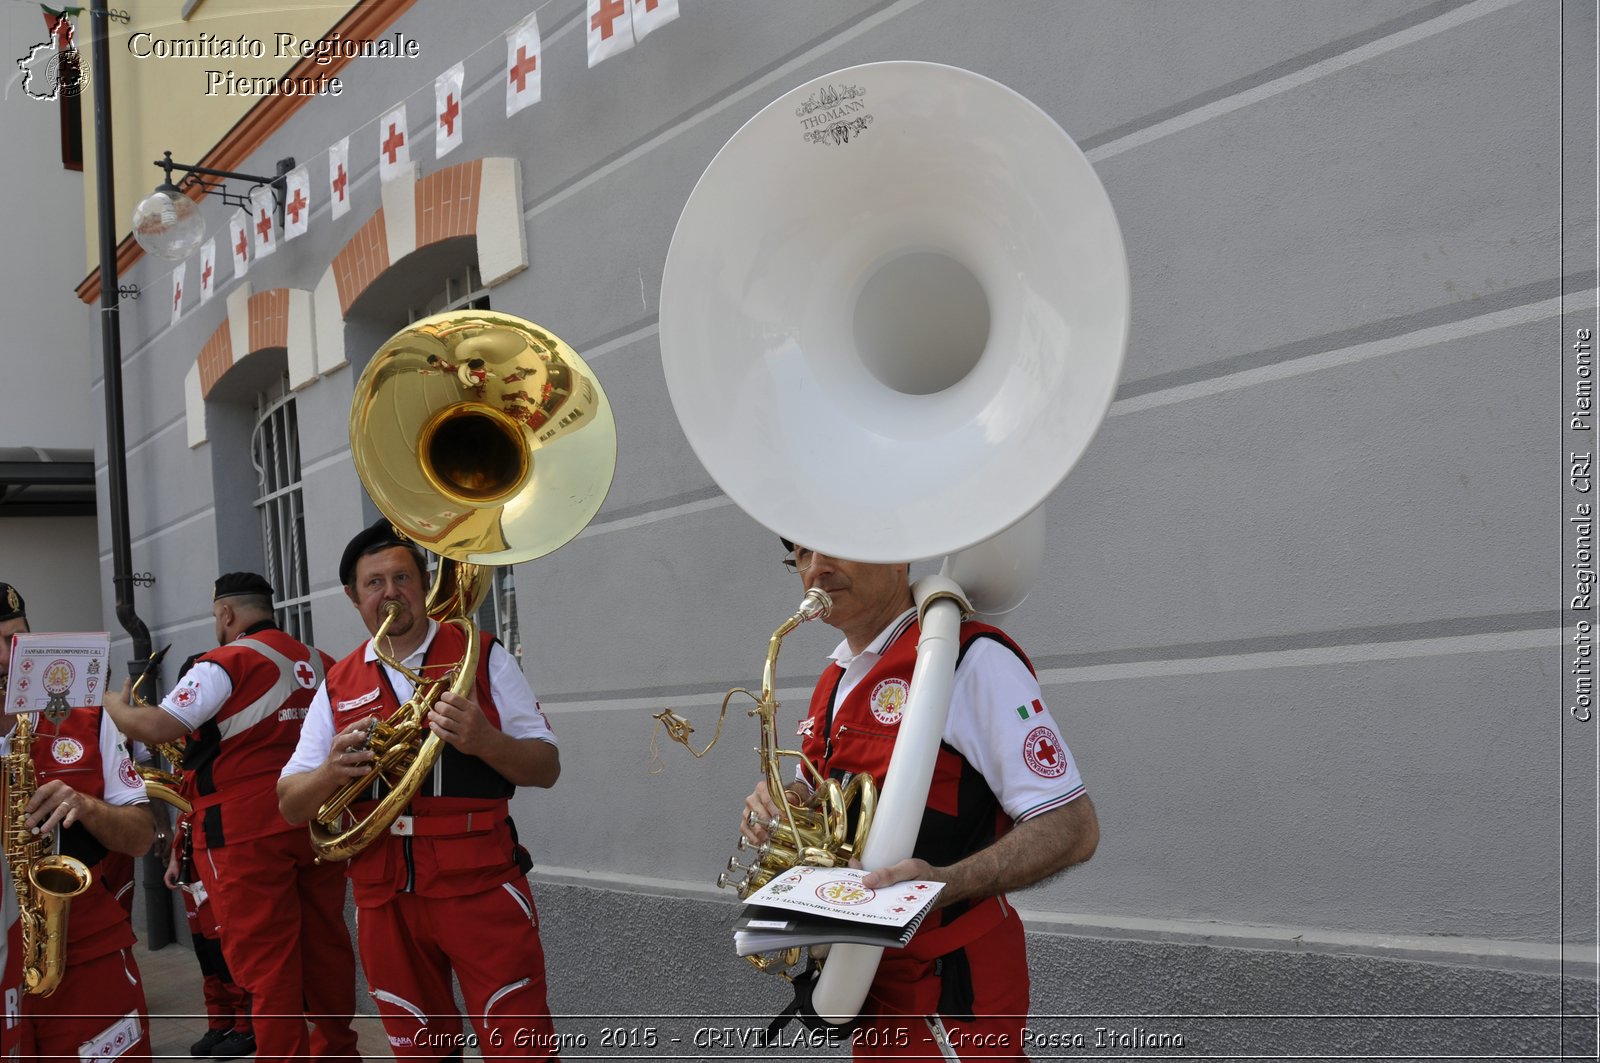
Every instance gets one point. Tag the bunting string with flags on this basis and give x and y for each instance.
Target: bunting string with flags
(522, 65)
(239, 243)
(208, 269)
(652, 15)
(394, 154)
(263, 222)
(339, 177)
(177, 290)
(610, 27)
(447, 110)
(296, 202)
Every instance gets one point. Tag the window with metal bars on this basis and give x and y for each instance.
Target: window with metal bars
(498, 613)
(275, 453)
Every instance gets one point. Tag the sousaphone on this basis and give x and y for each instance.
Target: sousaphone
(893, 315)
(487, 440)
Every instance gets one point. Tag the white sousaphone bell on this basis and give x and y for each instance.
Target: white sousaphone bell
(893, 316)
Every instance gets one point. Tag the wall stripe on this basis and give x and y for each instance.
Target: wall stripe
(1151, 667)
(1573, 960)
(1428, 337)
(1335, 64)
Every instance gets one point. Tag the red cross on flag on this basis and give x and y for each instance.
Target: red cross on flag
(394, 154)
(447, 111)
(263, 220)
(208, 269)
(652, 15)
(339, 177)
(522, 65)
(610, 28)
(296, 202)
(177, 290)
(239, 242)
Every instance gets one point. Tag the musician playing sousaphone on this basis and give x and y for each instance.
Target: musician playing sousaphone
(444, 890)
(1007, 809)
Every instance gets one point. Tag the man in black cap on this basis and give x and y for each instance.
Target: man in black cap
(282, 913)
(87, 786)
(445, 890)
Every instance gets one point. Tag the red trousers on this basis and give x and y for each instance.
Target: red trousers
(227, 1004)
(910, 997)
(286, 943)
(99, 1002)
(409, 946)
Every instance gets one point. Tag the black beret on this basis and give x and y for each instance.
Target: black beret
(232, 584)
(11, 606)
(380, 536)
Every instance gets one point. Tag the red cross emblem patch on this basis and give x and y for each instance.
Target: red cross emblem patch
(185, 696)
(305, 675)
(1044, 753)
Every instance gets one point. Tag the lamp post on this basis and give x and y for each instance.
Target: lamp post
(159, 924)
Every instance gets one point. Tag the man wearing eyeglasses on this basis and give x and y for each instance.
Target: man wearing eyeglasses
(1006, 809)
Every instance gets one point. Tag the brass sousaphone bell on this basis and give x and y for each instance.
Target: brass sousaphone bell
(488, 441)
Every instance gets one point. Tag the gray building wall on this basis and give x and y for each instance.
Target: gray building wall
(49, 405)
(1300, 613)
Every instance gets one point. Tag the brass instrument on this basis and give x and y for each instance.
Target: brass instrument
(488, 441)
(161, 784)
(958, 332)
(815, 834)
(45, 881)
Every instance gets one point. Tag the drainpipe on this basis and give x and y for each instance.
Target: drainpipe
(158, 901)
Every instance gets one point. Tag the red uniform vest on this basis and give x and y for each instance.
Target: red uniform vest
(96, 923)
(234, 758)
(962, 816)
(462, 840)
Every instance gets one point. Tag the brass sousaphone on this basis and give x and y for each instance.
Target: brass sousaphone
(906, 289)
(488, 441)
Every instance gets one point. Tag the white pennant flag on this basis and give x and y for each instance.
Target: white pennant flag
(239, 241)
(177, 290)
(339, 177)
(522, 65)
(296, 203)
(394, 153)
(652, 15)
(447, 111)
(610, 28)
(263, 209)
(208, 269)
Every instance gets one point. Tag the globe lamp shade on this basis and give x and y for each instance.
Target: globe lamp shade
(167, 224)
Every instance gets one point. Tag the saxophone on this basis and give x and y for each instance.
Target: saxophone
(161, 785)
(45, 882)
(817, 833)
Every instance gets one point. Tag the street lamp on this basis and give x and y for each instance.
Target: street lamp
(167, 224)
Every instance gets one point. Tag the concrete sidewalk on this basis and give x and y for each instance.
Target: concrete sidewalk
(177, 1008)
